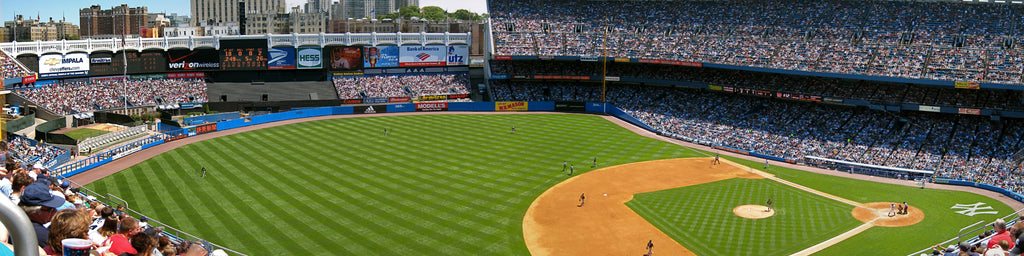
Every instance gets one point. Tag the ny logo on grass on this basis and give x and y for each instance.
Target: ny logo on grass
(973, 209)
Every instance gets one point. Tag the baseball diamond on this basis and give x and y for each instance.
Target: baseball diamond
(459, 183)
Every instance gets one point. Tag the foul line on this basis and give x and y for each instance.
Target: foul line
(791, 184)
(831, 241)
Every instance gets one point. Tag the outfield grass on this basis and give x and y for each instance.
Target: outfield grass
(701, 217)
(83, 133)
(438, 185)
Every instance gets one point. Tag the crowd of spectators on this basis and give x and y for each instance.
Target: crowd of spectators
(23, 149)
(408, 85)
(9, 67)
(80, 97)
(965, 147)
(57, 211)
(929, 40)
(878, 92)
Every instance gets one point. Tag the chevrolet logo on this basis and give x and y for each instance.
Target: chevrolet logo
(52, 61)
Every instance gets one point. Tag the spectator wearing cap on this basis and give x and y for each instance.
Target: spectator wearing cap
(40, 206)
(37, 169)
(1001, 235)
(948, 251)
(966, 247)
(119, 242)
(143, 222)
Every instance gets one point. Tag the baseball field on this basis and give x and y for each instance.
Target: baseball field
(460, 184)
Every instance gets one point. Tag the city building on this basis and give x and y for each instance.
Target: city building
(178, 20)
(114, 22)
(267, 23)
(216, 12)
(182, 31)
(22, 29)
(157, 19)
(357, 9)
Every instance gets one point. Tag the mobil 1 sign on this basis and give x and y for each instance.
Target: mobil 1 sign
(309, 58)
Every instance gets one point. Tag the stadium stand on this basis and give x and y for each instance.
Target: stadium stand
(82, 97)
(367, 86)
(938, 41)
(10, 67)
(30, 152)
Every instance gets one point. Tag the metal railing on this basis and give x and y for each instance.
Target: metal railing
(192, 42)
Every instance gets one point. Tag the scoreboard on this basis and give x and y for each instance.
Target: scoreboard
(246, 54)
(105, 63)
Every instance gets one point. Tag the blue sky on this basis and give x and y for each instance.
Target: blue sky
(69, 8)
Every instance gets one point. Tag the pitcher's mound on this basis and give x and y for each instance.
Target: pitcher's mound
(753, 211)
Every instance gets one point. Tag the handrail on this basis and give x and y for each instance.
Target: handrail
(22, 232)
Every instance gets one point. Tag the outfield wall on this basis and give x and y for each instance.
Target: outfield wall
(71, 169)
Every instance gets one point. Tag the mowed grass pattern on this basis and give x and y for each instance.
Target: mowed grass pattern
(701, 217)
(437, 185)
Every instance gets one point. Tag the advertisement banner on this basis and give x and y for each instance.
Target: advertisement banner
(352, 101)
(502, 57)
(57, 65)
(381, 56)
(190, 105)
(433, 97)
(198, 59)
(510, 106)
(499, 77)
(834, 100)
(149, 76)
(618, 59)
(281, 58)
(418, 56)
(345, 58)
(186, 75)
(928, 108)
(106, 78)
(969, 111)
(570, 106)
(611, 78)
(802, 97)
(28, 79)
(589, 58)
(967, 85)
(458, 55)
(458, 96)
(433, 106)
(372, 109)
(98, 60)
(309, 57)
(714, 87)
(375, 100)
(399, 99)
(205, 128)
